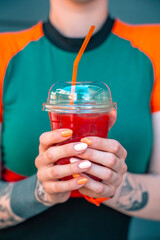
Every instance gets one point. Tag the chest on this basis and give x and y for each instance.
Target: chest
(127, 72)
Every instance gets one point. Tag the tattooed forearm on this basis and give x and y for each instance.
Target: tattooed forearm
(133, 196)
(18, 201)
(7, 217)
(40, 194)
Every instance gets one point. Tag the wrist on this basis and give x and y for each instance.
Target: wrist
(41, 195)
(113, 199)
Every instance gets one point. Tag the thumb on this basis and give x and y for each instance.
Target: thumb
(112, 118)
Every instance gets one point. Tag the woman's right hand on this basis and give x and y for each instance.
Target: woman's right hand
(52, 190)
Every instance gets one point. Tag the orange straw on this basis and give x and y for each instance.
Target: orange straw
(77, 60)
(74, 77)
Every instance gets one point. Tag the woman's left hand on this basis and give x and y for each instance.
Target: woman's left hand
(108, 164)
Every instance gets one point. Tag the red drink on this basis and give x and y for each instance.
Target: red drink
(83, 125)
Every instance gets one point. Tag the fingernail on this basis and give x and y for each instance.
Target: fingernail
(76, 175)
(85, 164)
(80, 146)
(82, 181)
(73, 160)
(66, 133)
(88, 141)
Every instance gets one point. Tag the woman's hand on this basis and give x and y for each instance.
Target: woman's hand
(111, 156)
(48, 174)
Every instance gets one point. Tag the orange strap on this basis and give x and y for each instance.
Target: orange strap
(96, 201)
(11, 44)
(146, 38)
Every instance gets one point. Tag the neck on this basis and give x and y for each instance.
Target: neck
(73, 19)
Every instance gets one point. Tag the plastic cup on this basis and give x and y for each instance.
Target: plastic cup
(88, 115)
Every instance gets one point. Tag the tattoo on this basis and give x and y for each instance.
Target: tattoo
(40, 194)
(133, 196)
(7, 217)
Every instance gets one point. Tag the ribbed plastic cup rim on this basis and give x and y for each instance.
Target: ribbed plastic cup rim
(79, 108)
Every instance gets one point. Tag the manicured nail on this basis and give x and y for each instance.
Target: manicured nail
(73, 160)
(76, 175)
(85, 164)
(66, 133)
(80, 146)
(88, 141)
(82, 181)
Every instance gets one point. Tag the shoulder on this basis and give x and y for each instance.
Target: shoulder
(13, 42)
(145, 37)
(23, 36)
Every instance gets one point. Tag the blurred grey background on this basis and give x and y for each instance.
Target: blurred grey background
(18, 14)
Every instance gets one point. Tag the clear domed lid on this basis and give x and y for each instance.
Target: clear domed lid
(81, 97)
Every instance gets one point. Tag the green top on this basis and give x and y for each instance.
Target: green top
(30, 74)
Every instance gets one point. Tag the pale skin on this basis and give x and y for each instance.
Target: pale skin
(134, 194)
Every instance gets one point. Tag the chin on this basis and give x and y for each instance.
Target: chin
(82, 1)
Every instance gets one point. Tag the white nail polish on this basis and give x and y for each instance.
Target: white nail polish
(85, 164)
(80, 146)
(73, 160)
